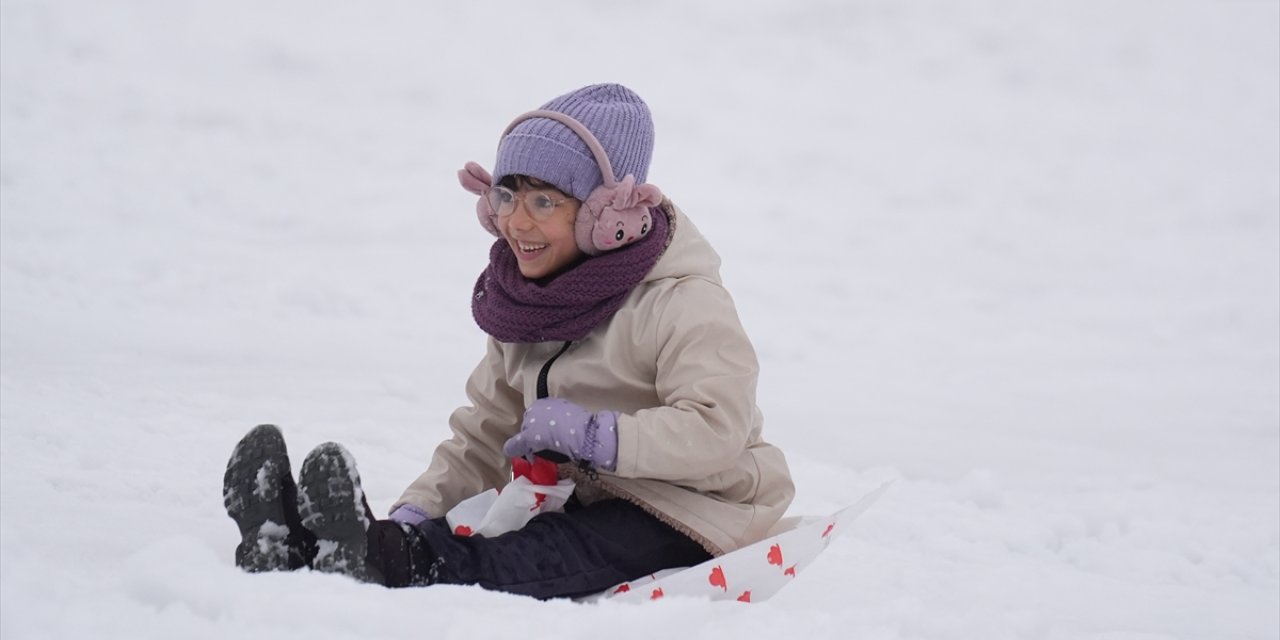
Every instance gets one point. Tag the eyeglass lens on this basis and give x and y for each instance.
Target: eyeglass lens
(538, 204)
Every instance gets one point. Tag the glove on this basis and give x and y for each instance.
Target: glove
(409, 514)
(555, 424)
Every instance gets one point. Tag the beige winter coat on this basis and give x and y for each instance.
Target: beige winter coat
(675, 362)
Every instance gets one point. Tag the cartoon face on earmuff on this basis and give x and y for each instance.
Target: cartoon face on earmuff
(623, 233)
(615, 214)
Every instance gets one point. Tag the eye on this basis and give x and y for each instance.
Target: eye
(618, 236)
(543, 201)
(644, 228)
(501, 201)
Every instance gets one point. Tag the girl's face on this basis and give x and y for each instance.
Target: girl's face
(544, 246)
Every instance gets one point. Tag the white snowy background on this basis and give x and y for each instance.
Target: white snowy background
(1022, 258)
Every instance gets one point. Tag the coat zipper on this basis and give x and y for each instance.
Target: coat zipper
(546, 369)
(554, 456)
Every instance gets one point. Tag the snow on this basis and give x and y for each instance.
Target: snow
(1020, 258)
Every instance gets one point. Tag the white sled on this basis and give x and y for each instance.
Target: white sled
(755, 572)
(751, 574)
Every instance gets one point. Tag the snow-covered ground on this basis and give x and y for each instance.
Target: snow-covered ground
(1023, 258)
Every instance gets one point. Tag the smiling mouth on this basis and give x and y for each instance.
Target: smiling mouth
(529, 250)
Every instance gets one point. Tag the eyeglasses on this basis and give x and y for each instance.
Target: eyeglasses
(539, 205)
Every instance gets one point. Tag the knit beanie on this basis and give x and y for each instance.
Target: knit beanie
(549, 151)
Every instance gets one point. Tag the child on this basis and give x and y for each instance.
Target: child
(614, 349)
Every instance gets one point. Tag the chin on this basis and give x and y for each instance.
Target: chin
(532, 273)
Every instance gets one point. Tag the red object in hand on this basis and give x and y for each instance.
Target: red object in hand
(540, 471)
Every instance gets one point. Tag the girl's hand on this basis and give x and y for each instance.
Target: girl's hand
(555, 424)
(409, 514)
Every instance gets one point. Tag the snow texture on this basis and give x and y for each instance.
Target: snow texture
(1020, 258)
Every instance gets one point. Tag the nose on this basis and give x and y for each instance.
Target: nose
(520, 217)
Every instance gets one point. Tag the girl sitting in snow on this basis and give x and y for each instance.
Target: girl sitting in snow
(614, 348)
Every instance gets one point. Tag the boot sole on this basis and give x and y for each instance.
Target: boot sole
(331, 503)
(251, 493)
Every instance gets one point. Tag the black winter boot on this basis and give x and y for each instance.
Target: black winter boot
(260, 495)
(333, 507)
(401, 556)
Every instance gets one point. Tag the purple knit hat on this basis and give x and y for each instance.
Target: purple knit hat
(549, 151)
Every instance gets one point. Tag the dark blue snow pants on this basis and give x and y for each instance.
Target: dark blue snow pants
(582, 551)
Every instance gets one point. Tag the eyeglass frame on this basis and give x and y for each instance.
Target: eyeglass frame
(534, 211)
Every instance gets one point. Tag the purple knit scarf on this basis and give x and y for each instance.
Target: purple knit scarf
(511, 308)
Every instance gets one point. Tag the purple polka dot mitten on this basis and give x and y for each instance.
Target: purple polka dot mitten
(409, 514)
(555, 424)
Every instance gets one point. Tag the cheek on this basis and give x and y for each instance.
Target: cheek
(565, 243)
(504, 227)
(560, 231)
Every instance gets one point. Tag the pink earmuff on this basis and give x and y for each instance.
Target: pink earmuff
(615, 214)
(476, 179)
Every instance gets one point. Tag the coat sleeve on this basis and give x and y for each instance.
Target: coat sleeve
(706, 383)
(471, 461)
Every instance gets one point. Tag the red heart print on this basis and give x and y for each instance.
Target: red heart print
(657, 593)
(775, 555)
(828, 530)
(791, 571)
(462, 530)
(623, 589)
(717, 578)
(745, 597)
(538, 499)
